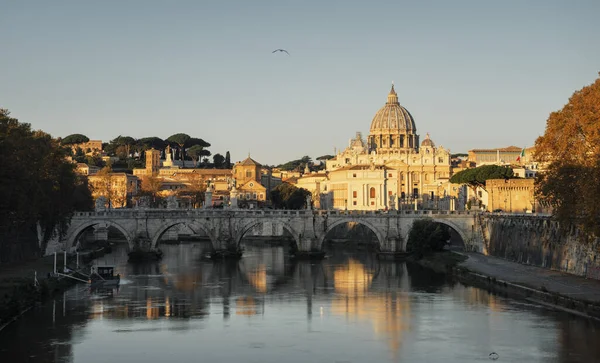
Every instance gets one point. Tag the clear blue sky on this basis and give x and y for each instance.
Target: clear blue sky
(474, 74)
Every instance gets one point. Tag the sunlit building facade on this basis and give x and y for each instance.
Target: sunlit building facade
(389, 166)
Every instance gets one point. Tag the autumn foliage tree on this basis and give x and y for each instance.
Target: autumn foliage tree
(570, 153)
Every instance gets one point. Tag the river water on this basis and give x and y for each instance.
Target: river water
(264, 308)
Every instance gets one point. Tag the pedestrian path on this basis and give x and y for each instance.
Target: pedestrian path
(534, 277)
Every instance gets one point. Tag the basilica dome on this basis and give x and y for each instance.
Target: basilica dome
(392, 117)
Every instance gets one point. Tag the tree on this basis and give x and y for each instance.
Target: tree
(147, 143)
(179, 140)
(427, 236)
(151, 186)
(123, 145)
(42, 189)
(79, 155)
(325, 157)
(227, 160)
(570, 151)
(74, 139)
(288, 196)
(194, 190)
(475, 178)
(296, 165)
(104, 185)
(218, 161)
(196, 152)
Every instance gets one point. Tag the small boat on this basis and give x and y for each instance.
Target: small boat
(104, 275)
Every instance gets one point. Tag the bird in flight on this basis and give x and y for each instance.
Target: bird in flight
(280, 50)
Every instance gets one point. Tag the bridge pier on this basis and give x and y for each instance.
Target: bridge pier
(308, 249)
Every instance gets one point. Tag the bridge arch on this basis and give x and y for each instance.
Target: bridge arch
(459, 229)
(249, 225)
(74, 235)
(167, 225)
(380, 236)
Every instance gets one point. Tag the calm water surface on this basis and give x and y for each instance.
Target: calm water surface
(348, 308)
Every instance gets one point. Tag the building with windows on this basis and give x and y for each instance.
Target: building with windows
(248, 177)
(388, 167)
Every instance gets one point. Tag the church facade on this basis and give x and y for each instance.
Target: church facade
(387, 168)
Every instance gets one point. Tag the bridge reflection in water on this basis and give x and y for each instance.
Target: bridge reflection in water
(265, 307)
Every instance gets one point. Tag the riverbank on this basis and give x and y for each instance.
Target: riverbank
(22, 285)
(551, 288)
(442, 262)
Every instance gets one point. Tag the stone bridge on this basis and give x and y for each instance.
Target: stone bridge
(143, 228)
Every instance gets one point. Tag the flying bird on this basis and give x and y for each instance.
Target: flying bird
(280, 50)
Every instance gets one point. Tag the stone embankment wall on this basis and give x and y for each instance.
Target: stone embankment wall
(539, 241)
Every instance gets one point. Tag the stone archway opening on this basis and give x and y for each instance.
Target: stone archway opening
(353, 236)
(100, 235)
(179, 240)
(267, 236)
(430, 235)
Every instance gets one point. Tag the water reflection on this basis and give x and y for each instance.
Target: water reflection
(267, 308)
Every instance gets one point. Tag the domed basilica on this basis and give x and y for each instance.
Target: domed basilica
(388, 168)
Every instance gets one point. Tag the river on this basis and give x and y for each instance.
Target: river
(264, 308)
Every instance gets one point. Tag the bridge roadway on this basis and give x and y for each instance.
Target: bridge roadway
(143, 228)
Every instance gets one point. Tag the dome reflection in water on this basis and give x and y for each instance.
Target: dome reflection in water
(267, 308)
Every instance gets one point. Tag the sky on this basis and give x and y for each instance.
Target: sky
(474, 74)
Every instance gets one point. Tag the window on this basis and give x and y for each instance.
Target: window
(390, 193)
(354, 194)
(354, 203)
(372, 193)
(440, 160)
(354, 175)
(372, 203)
(248, 174)
(389, 175)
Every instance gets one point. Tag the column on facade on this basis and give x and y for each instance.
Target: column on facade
(421, 191)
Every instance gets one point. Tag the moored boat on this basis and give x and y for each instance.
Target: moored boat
(104, 275)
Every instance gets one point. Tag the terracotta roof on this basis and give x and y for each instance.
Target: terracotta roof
(249, 161)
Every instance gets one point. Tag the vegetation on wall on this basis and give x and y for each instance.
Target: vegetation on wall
(570, 150)
(39, 185)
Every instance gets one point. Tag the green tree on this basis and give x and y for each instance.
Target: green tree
(179, 140)
(41, 189)
(218, 161)
(325, 157)
(427, 236)
(123, 146)
(74, 139)
(296, 165)
(476, 177)
(288, 196)
(196, 152)
(227, 160)
(570, 153)
(79, 155)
